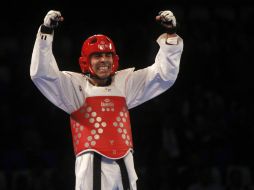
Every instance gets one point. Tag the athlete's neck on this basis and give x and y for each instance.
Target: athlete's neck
(96, 81)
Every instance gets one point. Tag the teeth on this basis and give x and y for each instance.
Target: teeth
(103, 68)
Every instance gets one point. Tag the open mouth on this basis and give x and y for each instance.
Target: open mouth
(103, 68)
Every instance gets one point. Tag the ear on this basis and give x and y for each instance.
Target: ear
(81, 60)
(83, 64)
(115, 64)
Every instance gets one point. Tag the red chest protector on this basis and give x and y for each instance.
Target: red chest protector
(102, 125)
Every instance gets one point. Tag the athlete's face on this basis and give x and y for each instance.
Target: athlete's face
(101, 64)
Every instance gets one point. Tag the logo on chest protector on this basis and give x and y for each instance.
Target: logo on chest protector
(107, 105)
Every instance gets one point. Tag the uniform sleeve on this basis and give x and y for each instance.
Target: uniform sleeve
(46, 76)
(145, 84)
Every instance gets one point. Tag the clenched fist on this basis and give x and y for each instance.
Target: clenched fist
(167, 19)
(52, 19)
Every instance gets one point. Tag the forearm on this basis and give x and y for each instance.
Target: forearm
(43, 64)
(167, 61)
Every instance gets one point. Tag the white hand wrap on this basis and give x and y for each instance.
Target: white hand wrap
(52, 18)
(168, 17)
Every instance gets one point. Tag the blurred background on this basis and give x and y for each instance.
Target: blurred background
(198, 135)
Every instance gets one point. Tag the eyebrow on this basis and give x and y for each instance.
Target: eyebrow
(100, 53)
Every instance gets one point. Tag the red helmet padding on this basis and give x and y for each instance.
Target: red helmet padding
(96, 44)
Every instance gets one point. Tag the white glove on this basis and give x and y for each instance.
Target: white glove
(167, 20)
(52, 19)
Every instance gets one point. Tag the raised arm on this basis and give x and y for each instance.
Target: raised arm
(43, 63)
(145, 84)
(44, 72)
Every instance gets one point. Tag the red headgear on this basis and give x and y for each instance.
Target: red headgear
(94, 44)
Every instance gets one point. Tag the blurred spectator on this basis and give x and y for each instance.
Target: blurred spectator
(207, 179)
(3, 181)
(238, 178)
